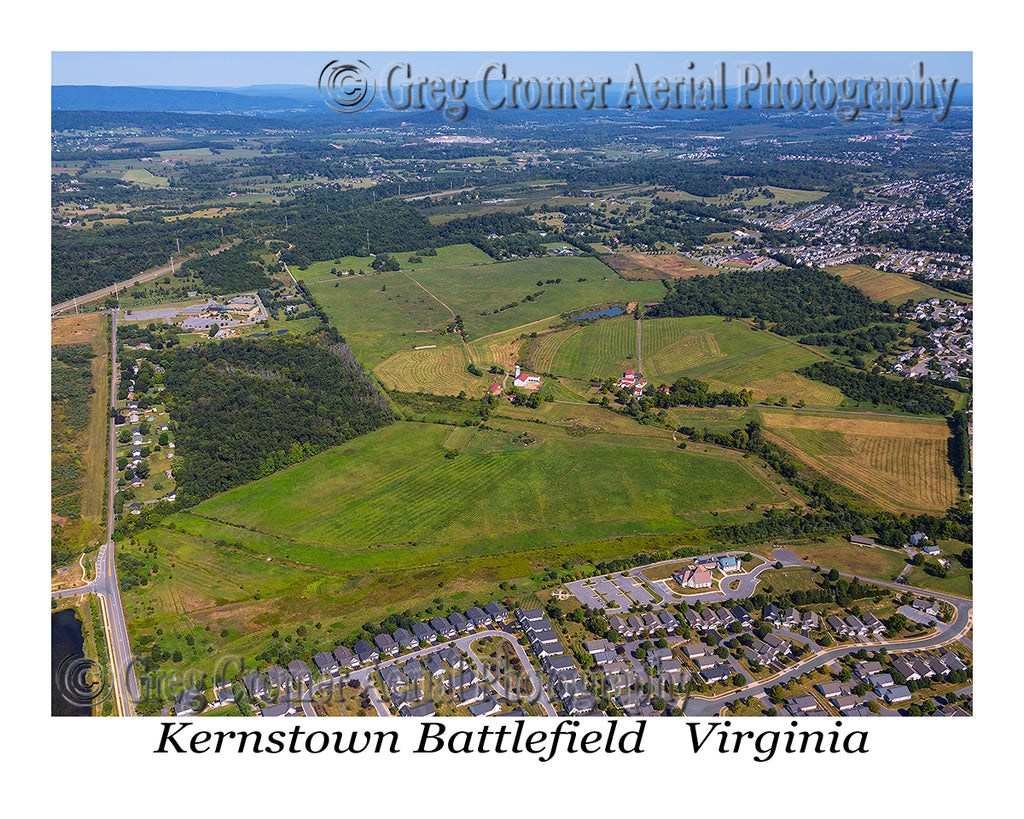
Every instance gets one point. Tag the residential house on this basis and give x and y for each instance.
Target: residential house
(874, 625)
(883, 680)
(278, 680)
(479, 617)
(744, 617)
(452, 657)
(907, 670)
(711, 621)
(424, 633)
(496, 611)
(419, 710)
(345, 657)
(484, 708)
(636, 624)
(525, 616)
(668, 621)
(867, 668)
(729, 563)
(255, 685)
(461, 623)
(280, 709)
(326, 663)
(386, 645)
(651, 622)
(443, 628)
(897, 693)
(434, 666)
(717, 673)
(405, 639)
(366, 652)
(725, 617)
(696, 650)
(300, 672)
(845, 702)
(619, 626)
(856, 627)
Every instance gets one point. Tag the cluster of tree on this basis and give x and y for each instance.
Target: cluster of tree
(229, 271)
(907, 395)
(701, 181)
(965, 286)
(798, 301)
(240, 403)
(946, 238)
(70, 387)
(878, 338)
(157, 336)
(960, 446)
(691, 392)
(323, 226)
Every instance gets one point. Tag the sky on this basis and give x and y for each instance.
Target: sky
(235, 69)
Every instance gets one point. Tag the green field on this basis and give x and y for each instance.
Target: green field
(479, 293)
(382, 494)
(144, 177)
(450, 256)
(726, 354)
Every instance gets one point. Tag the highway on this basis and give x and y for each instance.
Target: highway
(73, 304)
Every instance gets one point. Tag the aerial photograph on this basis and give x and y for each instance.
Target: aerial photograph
(512, 384)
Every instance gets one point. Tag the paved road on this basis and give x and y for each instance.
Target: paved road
(124, 683)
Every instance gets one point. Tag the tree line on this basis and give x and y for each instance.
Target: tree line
(913, 396)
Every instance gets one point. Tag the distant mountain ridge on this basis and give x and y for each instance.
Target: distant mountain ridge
(185, 100)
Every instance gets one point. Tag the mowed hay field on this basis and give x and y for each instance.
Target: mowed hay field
(393, 488)
(657, 266)
(899, 465)
(892, 287)
(439, 370)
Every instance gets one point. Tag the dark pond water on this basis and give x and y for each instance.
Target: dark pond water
(66, 646)
(609, 311)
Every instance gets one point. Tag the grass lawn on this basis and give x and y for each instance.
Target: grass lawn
(959, 578)
(837, 553)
